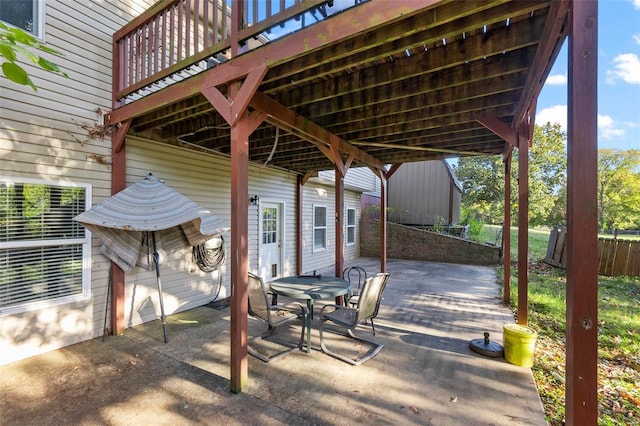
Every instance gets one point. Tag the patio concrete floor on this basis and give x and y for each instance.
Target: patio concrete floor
(426, 374)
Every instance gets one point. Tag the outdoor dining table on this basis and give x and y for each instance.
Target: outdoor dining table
(309, 288)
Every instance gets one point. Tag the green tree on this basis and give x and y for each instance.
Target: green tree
(547, 174)
(14, 41)
(482, 180)
(618, 188)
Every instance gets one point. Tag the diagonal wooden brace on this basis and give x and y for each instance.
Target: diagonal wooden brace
(232, 109)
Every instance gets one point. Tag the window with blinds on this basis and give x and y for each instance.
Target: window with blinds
(43, 252)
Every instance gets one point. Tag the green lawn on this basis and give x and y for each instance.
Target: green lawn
(619, 335)
(538, 240)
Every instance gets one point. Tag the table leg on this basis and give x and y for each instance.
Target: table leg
(308, 319)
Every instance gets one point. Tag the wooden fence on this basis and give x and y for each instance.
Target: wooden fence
(615, 257)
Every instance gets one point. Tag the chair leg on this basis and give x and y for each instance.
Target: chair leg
(375, 347)
(373, 327)
(270, 331)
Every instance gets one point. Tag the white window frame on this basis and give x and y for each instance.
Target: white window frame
(349, 226)
(85, 293)
(38, 27)
(323, 246)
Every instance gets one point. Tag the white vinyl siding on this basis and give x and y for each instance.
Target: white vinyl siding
(41, 139)
(44, 254)
(319, 228)
(206, 179)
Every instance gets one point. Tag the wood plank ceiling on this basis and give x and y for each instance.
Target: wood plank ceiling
(410, 90)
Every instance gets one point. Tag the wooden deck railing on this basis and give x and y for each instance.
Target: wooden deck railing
(189, 36)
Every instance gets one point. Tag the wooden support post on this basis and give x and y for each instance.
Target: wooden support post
(339, 215)
(239, 254)
(383, 222)
(523, 227)
(299, 201)
(234, 110)
(118, 183)
(581, 403)
(506, 231)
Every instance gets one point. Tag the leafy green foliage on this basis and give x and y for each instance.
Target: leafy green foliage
(618, 188)
(482, 180)
(475, 228)
(547, 172)
(14, 41)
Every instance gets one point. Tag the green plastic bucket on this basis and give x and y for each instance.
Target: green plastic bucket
(519, 344)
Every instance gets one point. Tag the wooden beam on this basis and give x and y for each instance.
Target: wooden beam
(416, 148)
(308, 176)
(299, 219)
(239, 252)
(548, 48)
(339, 226)
(295, 123)
(506, 230)
(581, 402)
(523, 227)
(383, 222)
(358, 20)
(231, 109)
(394, 168)
(119, 135)
(394, 97)
(118, 183)
(499, 128)
(447, 20)
(480, 47)
(429, 120)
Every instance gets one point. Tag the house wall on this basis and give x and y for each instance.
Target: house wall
(420, 193)
(205, 178)
(324, 195)
(361, 177)
(41, 138)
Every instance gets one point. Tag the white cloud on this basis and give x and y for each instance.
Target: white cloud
(636, 38)
(557, 79)
(636, 3)
(627, 68)
(608, 127)
(554, 114)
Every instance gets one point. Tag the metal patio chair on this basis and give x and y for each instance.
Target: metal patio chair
(350, 318)
(274, 316)
(351, 274)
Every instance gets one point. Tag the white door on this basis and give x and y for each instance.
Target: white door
(270, 240)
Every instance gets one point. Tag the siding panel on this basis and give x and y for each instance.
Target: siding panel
(35, 144)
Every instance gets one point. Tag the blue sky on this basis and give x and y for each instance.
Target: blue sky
(618, 78)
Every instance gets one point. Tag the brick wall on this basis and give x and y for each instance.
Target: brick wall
(405, 242)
